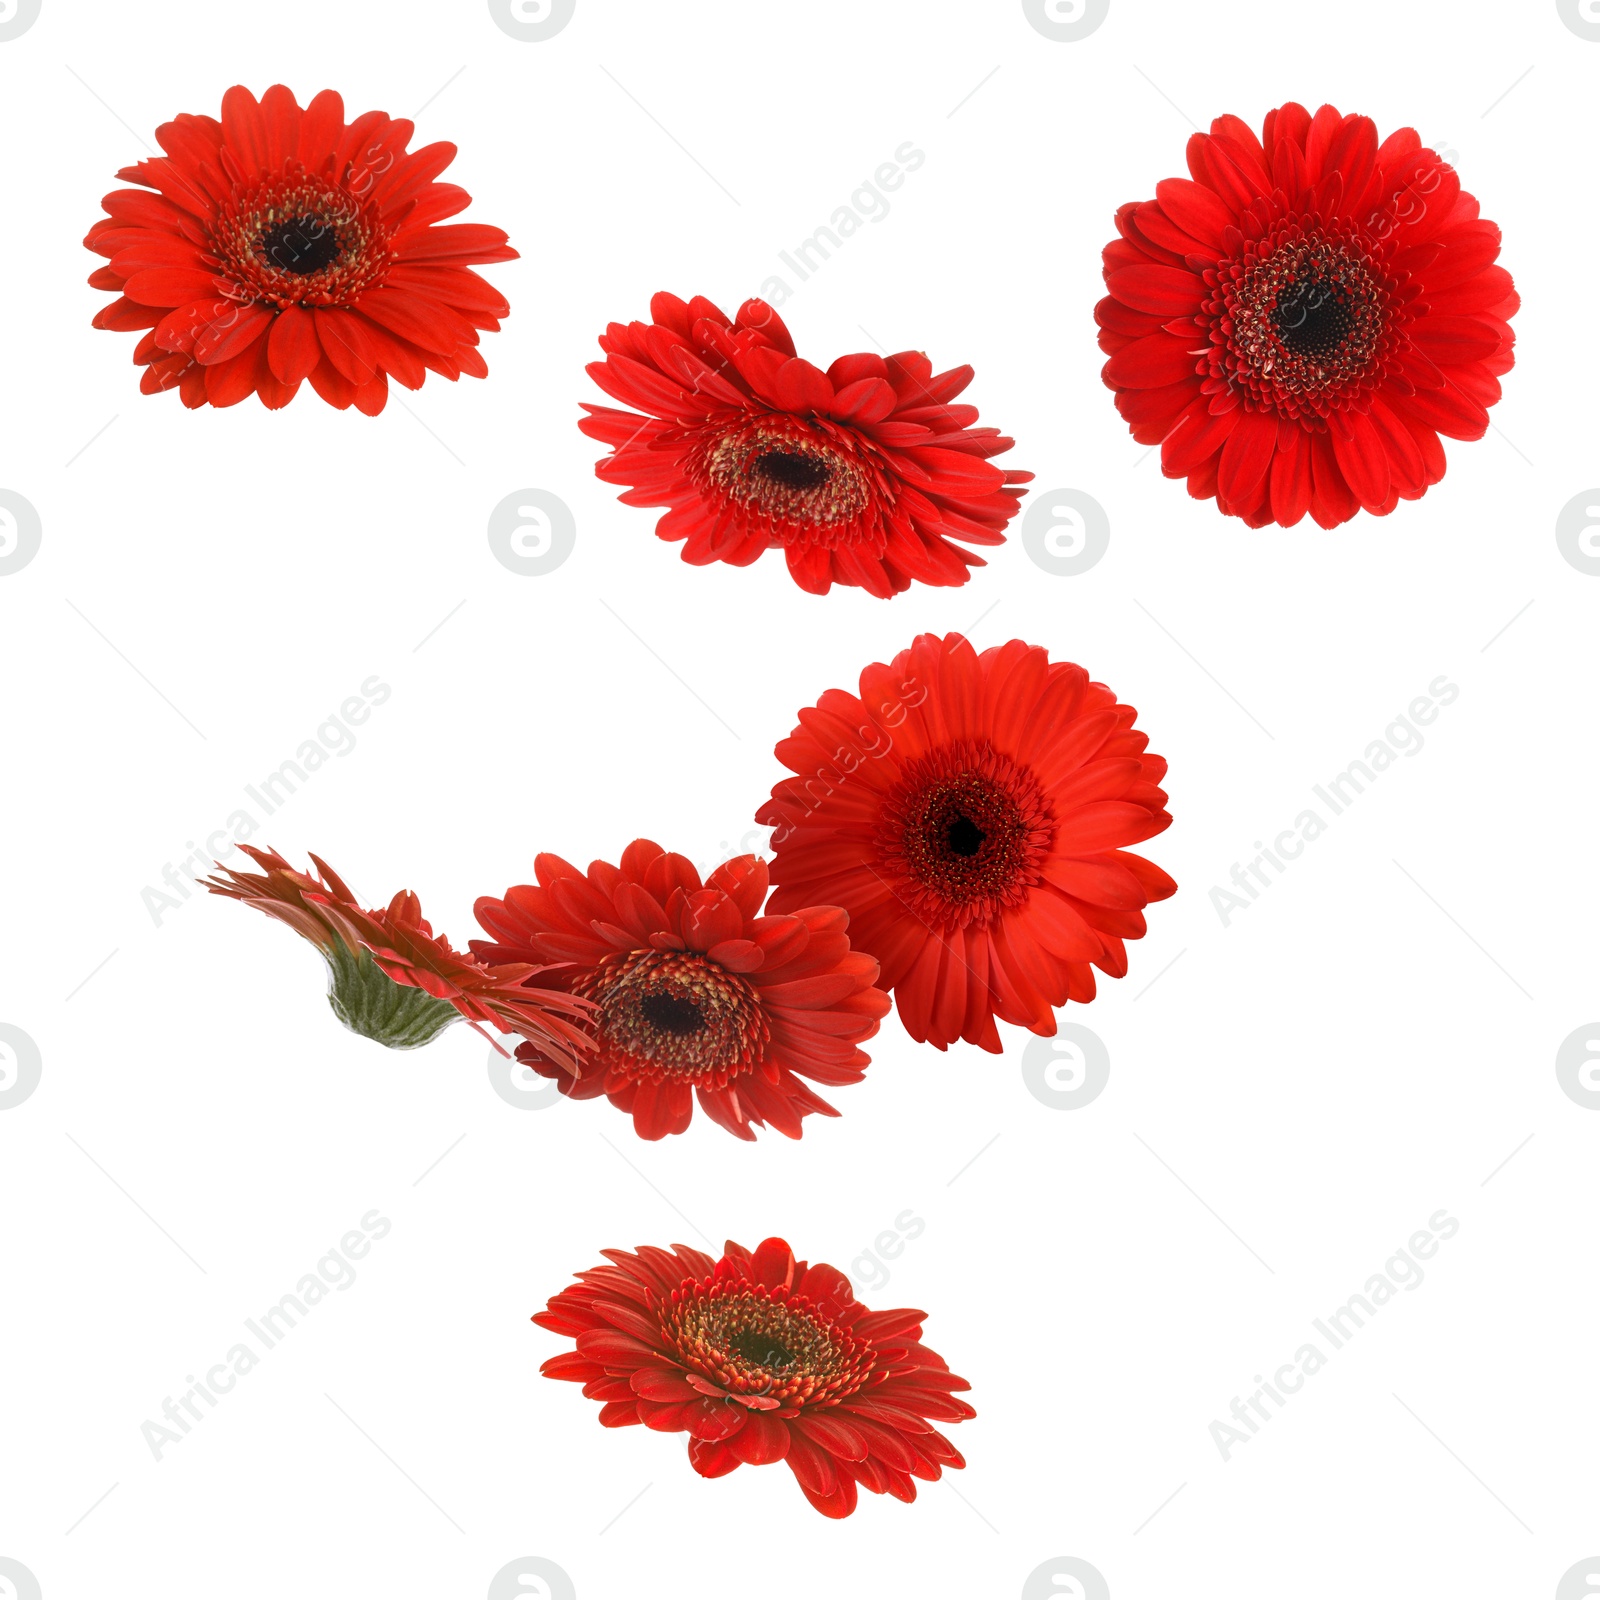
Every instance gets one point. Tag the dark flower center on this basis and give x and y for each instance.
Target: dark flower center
(300, 245)
(965, 832)
(671, 1014)
(791, 470)
(794, 480)
(676, 1014)
(756, 1342)
(761, 1348)
(1314, 317)
(964, 836)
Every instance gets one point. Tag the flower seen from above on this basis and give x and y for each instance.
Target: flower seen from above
(973, 814)
(1297, 322)
(760, 1358)
(281, 244)
(866, 474)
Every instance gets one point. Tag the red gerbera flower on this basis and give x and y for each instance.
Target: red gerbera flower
(284, 244)
(391, 978)
(864, 474)
(761, 1358)
(1297, 322)
(695, 992)
(972, 814)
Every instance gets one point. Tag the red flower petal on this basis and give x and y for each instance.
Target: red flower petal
(1247, 455)
(1196, 210)
(1147, 363)
(1166, 291)
(761, 1441)
(292, 347)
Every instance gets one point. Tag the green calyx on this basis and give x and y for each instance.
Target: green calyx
(369, 1002)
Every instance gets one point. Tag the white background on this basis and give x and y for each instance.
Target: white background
(1291, 1097)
